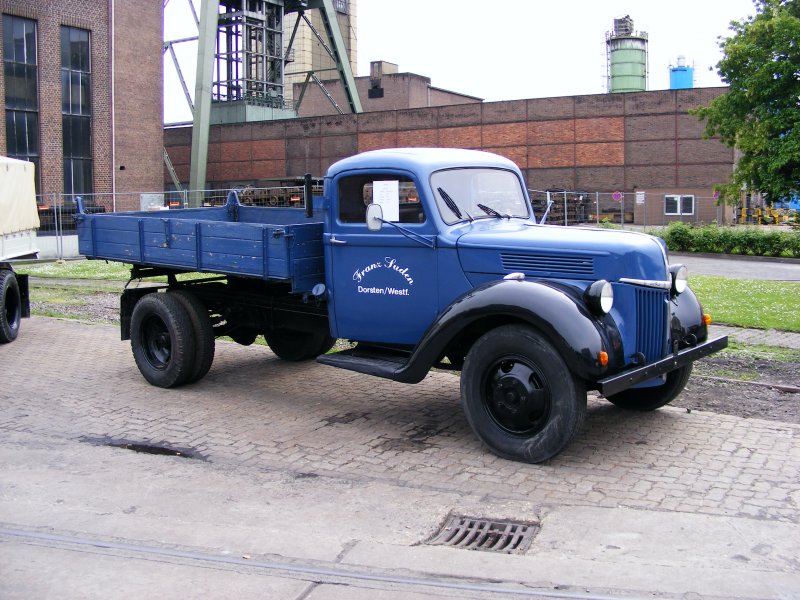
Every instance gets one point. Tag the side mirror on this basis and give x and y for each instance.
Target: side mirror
(374, 217)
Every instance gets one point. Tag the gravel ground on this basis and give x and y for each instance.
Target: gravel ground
(738, 383)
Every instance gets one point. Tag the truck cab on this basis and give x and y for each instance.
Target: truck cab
(464, 265)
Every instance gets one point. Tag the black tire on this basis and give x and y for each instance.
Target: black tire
(647, 399)
(295, 346)
(204, 341)
(10, 307)
(519, 396)
(162, 340)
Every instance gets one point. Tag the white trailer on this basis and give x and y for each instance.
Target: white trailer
(19, 219)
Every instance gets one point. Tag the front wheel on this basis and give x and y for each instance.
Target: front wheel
(294, 345)
(10, 307)
(651, 398)
(519, 396)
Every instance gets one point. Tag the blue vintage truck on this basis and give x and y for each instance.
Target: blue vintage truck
(422, 258)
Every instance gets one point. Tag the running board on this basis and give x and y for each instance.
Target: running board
(378, 364)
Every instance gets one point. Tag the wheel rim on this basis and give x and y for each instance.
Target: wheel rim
(156, 343)
(517, 395)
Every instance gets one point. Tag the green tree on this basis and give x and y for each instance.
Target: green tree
(760, 113)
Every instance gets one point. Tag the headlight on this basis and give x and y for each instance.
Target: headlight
(680, 278)
(600, 296)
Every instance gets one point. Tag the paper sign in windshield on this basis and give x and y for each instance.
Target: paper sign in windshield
(386, 194)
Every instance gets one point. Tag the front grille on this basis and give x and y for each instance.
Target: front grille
(565, 264)
(652, 310)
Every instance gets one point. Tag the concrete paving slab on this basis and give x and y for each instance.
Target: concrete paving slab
(37, 571)
(622, 551)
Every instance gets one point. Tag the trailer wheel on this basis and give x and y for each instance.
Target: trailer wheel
(162, 340)
(10, 307)
(647, 399)
(203, 333)
(519, 396)
(295, 345)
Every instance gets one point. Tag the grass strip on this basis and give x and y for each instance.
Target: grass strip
(753, 303)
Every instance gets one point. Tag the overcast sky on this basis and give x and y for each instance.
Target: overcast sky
(523, 49)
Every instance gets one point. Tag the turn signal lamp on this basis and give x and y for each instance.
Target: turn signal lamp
(602, 358)
(707, 319)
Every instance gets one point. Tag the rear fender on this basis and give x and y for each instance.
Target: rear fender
(127, 302)
(566, 323)
(24, 295)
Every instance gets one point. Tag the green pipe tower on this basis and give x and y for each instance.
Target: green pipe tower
(626, 54)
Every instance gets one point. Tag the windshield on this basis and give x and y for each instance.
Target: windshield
(467, 194)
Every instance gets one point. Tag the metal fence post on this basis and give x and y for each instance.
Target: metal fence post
(597, 208)
(565, 208)
(58, 204)
(644, 208)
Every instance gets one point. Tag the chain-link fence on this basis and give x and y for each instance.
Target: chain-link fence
(562, 207)
(569, 207)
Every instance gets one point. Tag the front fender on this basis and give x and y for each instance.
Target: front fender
(565, 323)
(686, 320)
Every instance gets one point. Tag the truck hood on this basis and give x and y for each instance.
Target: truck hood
(501, 247)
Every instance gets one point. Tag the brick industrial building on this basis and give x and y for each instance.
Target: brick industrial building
(82, 94)
(82, 97)
(633, 142)
(384, 89)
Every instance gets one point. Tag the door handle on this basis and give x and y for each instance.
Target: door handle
(336, 242)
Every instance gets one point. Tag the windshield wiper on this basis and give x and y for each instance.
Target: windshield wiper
(492, 212)
(451, 204)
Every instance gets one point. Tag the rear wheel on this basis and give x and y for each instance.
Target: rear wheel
(295, 345)
(519, 396)
(651, 398)
(203, 333)
(10, 307)
(163, 340)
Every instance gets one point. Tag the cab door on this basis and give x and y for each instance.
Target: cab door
(382, 284)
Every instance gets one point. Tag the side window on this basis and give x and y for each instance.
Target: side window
(396, 194)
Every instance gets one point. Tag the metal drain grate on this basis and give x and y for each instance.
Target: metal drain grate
(480, 534)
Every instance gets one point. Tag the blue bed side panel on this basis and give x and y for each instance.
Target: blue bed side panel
(270, 244)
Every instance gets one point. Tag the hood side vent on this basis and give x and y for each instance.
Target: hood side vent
(564, 264)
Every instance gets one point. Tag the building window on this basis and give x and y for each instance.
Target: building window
(678, 205)
(76, 110)
(341, 6)
(22, 90)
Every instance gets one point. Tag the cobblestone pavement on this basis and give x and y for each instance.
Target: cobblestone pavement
(70, 380)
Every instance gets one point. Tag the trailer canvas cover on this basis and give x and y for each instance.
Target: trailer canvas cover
(17, 196)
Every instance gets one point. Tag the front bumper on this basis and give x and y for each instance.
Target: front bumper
(622, 381)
